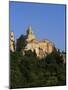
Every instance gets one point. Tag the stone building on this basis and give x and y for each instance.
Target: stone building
(41, 48)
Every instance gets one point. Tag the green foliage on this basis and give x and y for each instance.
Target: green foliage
(29, 71)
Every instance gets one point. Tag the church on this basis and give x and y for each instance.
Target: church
(42, 48)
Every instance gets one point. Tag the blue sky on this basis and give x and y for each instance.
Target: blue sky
(47, 21)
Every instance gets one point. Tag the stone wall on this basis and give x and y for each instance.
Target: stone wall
(41, 48)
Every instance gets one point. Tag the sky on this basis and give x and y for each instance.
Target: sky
(47, 21)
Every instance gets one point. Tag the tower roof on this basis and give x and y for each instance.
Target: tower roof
(30, 35)
(29, 30)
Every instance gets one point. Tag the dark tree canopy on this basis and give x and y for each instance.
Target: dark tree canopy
(30, 71)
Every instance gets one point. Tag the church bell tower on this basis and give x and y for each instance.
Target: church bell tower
(30, 35)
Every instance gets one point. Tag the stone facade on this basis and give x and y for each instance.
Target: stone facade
(41, 48)
(12, 48)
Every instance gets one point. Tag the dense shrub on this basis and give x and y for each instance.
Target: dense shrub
(29, 71)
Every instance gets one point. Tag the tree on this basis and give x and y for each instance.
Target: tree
(30, 71)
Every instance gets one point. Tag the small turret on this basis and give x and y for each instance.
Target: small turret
(12, 46)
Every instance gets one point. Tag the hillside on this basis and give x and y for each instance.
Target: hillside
(30, 71)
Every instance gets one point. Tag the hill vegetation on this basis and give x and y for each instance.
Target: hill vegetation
(30, 71)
